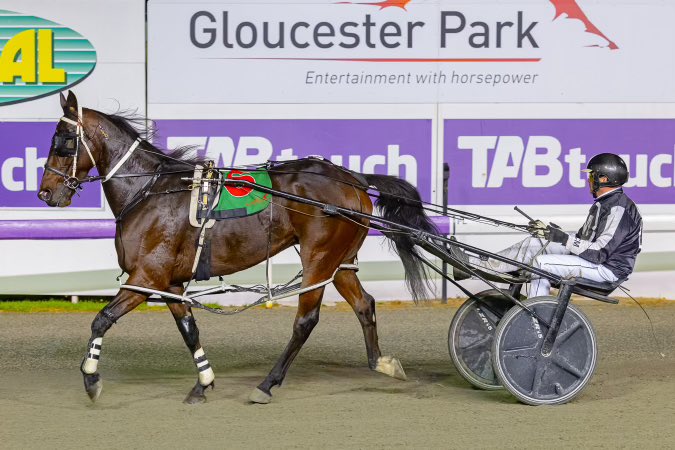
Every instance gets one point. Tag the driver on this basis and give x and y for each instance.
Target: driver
(603, 250)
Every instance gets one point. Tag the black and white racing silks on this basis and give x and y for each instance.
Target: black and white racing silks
(611, 235)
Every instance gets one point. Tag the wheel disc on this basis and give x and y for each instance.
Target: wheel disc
(536, 379)
(471, 336)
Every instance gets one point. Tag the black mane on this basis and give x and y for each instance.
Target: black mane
(137, 126)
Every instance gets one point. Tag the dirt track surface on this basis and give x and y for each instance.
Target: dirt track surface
(330, 399)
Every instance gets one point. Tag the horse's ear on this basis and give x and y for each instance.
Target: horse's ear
(71, 103)
(62, 98)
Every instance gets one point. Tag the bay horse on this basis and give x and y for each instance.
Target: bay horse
(156, 245)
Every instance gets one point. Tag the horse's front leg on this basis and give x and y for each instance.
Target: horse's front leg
(123, 302)
(188, 329)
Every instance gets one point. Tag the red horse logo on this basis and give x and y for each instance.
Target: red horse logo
(574, 11)
(569, 8)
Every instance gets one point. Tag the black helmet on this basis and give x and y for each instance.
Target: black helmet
(607, 165)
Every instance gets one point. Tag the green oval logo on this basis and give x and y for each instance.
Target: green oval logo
(39, 57)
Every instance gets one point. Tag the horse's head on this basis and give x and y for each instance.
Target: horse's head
(71, 156)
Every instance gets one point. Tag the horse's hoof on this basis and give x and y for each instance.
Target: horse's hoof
(93, 385)
(196, 395)
(194, 399)
(391, 366)
(260, 397)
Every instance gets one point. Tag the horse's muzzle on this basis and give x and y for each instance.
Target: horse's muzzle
(45, 195)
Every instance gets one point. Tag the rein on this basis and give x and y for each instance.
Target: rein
(427, 206)
(74, 183)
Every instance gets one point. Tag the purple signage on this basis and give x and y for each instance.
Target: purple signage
(396, 147)
(23, 151)
(517, 162)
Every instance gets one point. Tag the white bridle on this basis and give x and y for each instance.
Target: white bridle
(79, 130)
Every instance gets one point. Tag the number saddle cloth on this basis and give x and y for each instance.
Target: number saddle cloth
(212, 200)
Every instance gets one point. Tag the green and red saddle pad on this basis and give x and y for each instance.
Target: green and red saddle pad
(238, 201)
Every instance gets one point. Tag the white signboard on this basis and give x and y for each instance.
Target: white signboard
(113, 32)
(410, 51)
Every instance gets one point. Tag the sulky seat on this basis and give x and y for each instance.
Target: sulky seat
(596, 290)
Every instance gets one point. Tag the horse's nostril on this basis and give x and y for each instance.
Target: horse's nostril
(45, 195)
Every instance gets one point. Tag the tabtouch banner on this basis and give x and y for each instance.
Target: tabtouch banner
(521, 162)
(410, 51)
(401, 148)
(23, 152)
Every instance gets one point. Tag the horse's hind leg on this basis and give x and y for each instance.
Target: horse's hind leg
(188, 329)
(123, 302)
(305, 320)
(349, 286)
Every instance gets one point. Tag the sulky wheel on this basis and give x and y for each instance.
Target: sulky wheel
(536, 379)
(470, 338)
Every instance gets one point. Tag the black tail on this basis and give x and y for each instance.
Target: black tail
(400, 202)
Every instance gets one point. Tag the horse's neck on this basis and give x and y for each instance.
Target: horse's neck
(119, 191)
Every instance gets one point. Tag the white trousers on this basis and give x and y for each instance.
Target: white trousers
(549, 256)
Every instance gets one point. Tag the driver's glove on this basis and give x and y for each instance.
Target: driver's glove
(555, 234)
